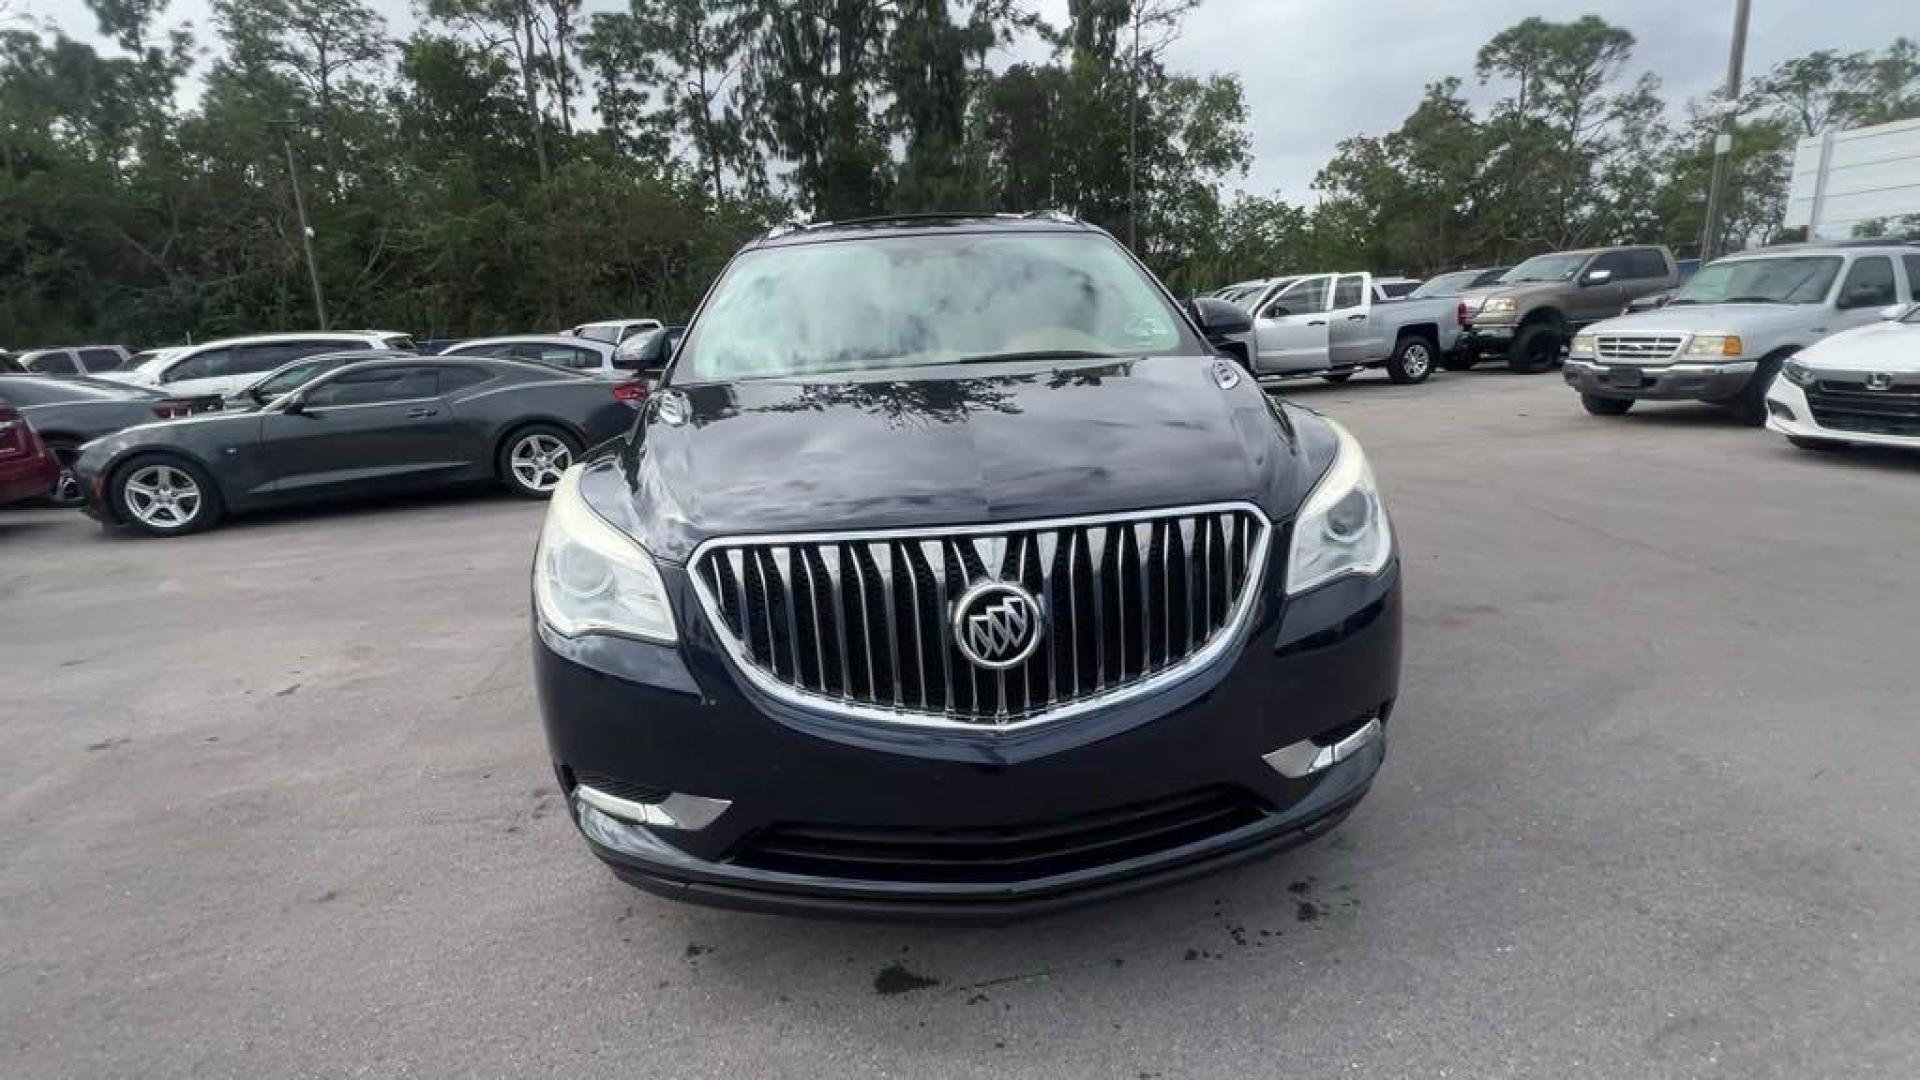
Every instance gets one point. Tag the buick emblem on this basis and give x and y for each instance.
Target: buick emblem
(997, 624)
(1880, 380)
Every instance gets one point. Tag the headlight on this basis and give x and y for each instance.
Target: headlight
(1798, 373)
(591, 578)
(1499, 303)
(1714, 345)
(1583, 345)
(1343, 527)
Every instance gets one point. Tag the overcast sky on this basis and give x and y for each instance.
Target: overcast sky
(1318, 71)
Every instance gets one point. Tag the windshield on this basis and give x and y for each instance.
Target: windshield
(898, 301)
(292, 377)
(1546, 268)
(1446, 284)
(1802, 279)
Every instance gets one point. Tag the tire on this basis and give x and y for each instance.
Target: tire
(1535, 349)
(1826, 445)
(163, 495)
(1460, 360)
(1412, 360)
(1750, 407)
(1606, 406)
(1338, 377)
(531, 459)
(66, 490)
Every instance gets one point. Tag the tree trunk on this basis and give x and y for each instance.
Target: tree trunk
(529, 81)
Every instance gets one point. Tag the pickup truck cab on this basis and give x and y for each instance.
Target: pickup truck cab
(1532, 313)
(1333, 325)
(1726, 333)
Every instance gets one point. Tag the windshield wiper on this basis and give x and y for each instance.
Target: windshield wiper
(1753, 300)
(1678, 300)
(1033, 354)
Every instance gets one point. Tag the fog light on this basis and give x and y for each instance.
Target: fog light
(689, 813)
(1300, 760)
(1781, 411)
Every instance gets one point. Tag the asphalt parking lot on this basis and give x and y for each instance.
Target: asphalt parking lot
(274, 802)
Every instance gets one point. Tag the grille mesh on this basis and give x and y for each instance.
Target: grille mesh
(865, 620)
(1638, 350)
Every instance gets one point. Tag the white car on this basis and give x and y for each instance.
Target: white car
(614, 331)
(94, 360)
(1859, 386)
(220, 368)
(591, 355)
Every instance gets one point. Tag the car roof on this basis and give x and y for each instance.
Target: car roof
(920, 225)
(1852, 248)
(532, 339)
(315, 335)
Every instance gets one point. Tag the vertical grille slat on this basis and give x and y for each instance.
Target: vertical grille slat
(865, 622)
(1049, 543)
(1096, 556)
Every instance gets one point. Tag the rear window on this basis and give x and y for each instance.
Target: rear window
(1912, 263)
(399, 343)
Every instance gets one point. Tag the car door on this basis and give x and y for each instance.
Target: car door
(1868, 287)
(1349, 322)
(364, 430)
(1600, 289)
(1290, 330)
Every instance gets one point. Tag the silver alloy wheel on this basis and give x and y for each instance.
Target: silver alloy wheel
(162, 497)
(1416, 360)
(537, 461)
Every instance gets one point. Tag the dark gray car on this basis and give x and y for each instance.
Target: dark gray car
(375, 428)
(66, 412)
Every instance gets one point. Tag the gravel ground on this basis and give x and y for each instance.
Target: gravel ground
(274, 802)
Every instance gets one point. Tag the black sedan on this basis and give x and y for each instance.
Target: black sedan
(374, 428)
(66, 412)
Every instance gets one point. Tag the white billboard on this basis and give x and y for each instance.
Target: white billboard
(1844, 179)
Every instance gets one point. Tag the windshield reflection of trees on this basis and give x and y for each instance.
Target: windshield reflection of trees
(909, 402)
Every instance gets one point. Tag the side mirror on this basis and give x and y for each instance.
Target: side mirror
(1597, 277)
(1217, 318)
(1895, 312)
(295, 406)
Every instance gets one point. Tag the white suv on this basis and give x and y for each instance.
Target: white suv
(219, 368)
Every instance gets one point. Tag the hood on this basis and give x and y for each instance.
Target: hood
(947, 446)
(1520, 291)
(1711, 319)
(1880, 346)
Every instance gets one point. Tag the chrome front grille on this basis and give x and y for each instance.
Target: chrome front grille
(1638, 350)
(861, 624)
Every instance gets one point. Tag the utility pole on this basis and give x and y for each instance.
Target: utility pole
(1723, 142)
(285, 127)
(1133, 137)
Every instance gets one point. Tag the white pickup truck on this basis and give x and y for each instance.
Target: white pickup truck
(1332, 325)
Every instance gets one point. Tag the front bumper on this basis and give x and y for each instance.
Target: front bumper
(639, 718)
(1667, 382)
(1789, 413)
(1487, 337)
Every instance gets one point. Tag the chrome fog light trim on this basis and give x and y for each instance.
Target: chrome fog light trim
(1300, 760)
(689, 813)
